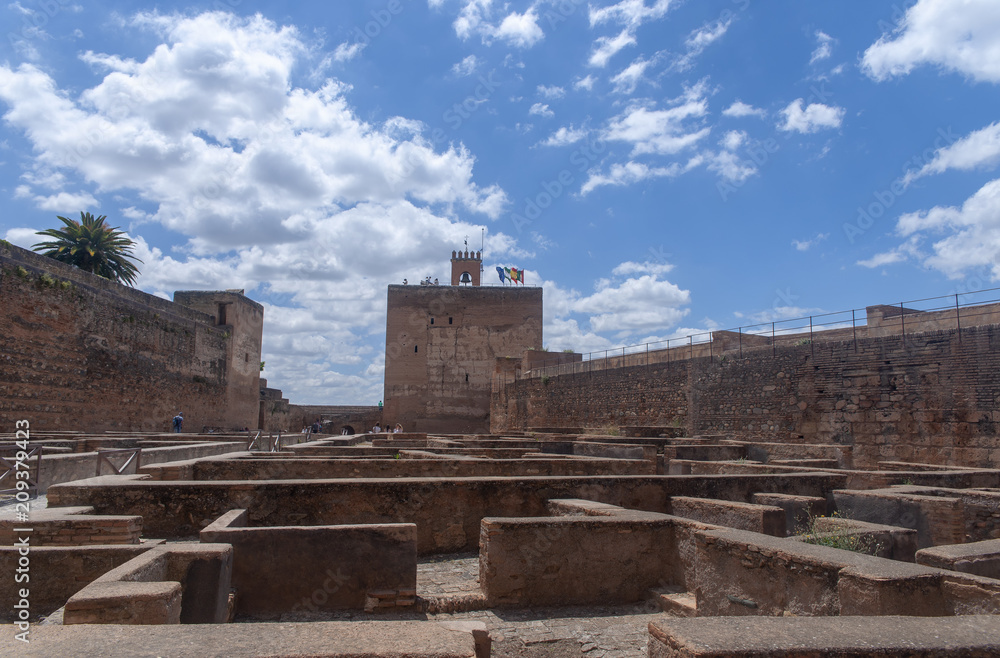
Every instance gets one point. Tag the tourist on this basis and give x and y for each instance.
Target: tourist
(178, 421)
(316, 427)
(397, 429)
(377, 429)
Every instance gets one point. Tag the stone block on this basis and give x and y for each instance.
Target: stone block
(125, 603)
(766, 519)
(980, 558)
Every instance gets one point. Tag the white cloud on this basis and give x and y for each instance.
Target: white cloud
(630, 13)
(698, 41)
(733, 140)
(628, 79)
(565, 135)
(630, 267)
(972, 233)
(636, 304)
(348, 51)
(806, 245)
(542, 110)
(466, 67)
(551, 93)
(978, 149)
(741, 109)
(280, 189)
(663, 132)
(519, 30)
(730, 166)
(812, 119)
(958, 36)
(627, 174)
(824, 47)
(607, 47)
(887, 258)
(585, 83)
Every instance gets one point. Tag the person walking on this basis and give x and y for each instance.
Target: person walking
(178, 422)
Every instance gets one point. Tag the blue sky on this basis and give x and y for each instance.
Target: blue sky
(661, 167)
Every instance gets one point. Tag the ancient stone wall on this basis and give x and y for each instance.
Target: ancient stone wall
(929, 398)
(79, 352)
(441, 348)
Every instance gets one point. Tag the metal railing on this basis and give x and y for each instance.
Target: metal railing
(953, 311)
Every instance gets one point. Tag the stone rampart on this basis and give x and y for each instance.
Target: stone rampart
(926, 398)
(84, 353)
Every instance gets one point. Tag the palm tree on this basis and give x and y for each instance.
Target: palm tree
(92, 245)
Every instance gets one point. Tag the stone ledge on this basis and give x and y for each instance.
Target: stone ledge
(845, 637)
(354, 639)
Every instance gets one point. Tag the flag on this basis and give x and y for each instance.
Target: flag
(515, 274)
(507, 271)
(502, 275)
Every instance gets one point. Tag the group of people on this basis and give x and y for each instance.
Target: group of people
(425, 282)
(378, 429)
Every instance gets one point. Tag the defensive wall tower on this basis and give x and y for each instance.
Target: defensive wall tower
(442, 342)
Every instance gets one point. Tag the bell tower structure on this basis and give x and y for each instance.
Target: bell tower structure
(466, 268)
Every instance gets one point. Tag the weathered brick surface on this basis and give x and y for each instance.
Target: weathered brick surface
(442, 343)
(83, 353)
(929, 398)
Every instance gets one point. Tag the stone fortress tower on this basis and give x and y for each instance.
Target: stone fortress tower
(442, 342)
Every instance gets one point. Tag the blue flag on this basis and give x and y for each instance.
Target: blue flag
(503, 277)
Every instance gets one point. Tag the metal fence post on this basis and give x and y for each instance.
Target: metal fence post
(854, 329)
(958, 318)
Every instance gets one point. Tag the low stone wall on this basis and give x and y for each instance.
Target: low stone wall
(765, 519)
(294, 569)
(74, 527)
(170, 584)
(447, 511)
(330, 639)
(937, 520)
(981, 558)
(982, 509)
(314, 469)
(770, 452)
(571, 560)
(51, 585)
(56, 469)
(596, 555)
(798, 509)
(886, 541)
(695, 467)
(744, 573)
(705, 453)
(809, 637)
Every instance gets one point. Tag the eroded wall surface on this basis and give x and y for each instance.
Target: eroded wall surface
(78, 352)
(931, 397)
(441, 348)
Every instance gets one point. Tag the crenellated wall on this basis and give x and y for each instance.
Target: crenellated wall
(79, 352)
